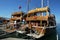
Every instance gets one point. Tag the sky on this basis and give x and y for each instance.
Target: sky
(7, 7)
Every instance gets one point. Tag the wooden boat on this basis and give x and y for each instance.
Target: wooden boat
(40, 22)
(14, 23)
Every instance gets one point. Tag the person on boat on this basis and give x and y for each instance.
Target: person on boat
(15, 26)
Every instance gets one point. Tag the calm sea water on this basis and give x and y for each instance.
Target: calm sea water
(52, 36)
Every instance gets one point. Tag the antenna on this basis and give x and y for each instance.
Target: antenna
(48, 3)
(42, 3)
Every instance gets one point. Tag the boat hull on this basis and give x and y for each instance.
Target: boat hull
(48, 31)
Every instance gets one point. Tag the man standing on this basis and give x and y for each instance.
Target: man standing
(15, 24)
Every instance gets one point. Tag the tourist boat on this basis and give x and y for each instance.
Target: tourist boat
(3, 20)
(40, 22)
(16, 16)
(14, 23)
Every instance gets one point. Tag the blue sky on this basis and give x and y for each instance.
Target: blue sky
(7, 7)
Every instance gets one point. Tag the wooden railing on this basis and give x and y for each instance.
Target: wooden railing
(37, 18)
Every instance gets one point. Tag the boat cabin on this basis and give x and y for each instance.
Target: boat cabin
(15, 20)
(40, 16)
(17, 16)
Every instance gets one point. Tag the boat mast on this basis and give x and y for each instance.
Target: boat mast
(42, 3)
(28, 1)
(41, 7)
(48, 3)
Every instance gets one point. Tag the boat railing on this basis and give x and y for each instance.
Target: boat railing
(43, 29)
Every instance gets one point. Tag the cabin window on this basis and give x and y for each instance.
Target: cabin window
(35, 23)
(32, 15)
(44, 14)
(44, 23)
(14, 16)
(18, 20)
(38, 14)
(38, 23)
(51, 23)
(18, 15)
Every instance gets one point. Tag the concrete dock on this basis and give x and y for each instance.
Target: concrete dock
(15, 39)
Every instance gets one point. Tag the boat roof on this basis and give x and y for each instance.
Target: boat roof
(17, 13)
(44, 9)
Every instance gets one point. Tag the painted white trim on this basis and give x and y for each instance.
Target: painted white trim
(21, 32)
(45, 27)
(35, 35)
(51, 27)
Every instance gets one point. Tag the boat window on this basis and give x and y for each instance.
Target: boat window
(44, 23)
(35, 23)
(18, 20)
(31, 15)
(18, 15)
(38, 14)
(44, 13)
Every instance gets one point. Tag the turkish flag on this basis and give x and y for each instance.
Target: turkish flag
(19, 7)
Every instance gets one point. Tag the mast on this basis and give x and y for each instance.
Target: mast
(42, 3)
(48, 3)
(28, 1)
(48, 6)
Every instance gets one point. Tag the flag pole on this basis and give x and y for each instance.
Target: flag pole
(19, 8)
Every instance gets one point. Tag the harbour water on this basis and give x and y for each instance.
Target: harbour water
(52, 36)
